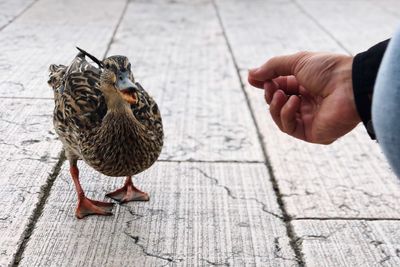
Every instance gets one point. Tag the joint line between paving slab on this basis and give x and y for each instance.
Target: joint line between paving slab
(212, 161)
(19, 14)
(286, 218)
(44, 194)
(116, 28)
(344, 219)
(319, 25)
(26, 97)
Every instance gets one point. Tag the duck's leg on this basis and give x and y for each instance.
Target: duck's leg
(128, 193)
(87, 206)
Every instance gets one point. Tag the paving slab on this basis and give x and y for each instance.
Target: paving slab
(390, 6)
(28, 152)
(180, 56)
(10, 10)
(48, 33)
(349, 243)
(199, 214)
(356, 25)
(347, 179)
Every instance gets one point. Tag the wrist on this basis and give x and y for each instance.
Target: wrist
(347, 82)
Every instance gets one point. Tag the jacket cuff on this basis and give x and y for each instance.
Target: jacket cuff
(364, 71)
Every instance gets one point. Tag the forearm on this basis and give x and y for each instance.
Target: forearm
(364, 71)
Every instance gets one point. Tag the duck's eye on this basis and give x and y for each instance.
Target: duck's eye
(107, 66)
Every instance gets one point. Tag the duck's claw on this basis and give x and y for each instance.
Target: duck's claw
(88, 206)
(128, 193)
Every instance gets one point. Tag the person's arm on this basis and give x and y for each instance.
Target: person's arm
(364, 71)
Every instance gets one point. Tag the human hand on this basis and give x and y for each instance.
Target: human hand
(310, 94)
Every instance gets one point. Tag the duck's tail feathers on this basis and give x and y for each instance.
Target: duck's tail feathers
(56, 75)
(83, 53)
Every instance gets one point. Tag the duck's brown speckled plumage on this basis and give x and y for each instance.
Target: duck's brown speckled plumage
(114, 143)
(106, 119)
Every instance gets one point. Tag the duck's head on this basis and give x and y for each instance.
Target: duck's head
(118, 74)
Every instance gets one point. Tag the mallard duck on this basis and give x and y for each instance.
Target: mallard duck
(105, 118)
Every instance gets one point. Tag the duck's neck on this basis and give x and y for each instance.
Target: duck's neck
(114, 100)
(119, 112)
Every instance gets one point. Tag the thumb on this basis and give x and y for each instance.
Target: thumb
(278, 66)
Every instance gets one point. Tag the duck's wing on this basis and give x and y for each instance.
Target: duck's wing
(59, 73)
(81, 104)
(56, 76)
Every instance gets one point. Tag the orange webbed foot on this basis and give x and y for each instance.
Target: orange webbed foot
(88, 206)
(128, 193)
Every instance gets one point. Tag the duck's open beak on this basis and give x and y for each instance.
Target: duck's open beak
(124, 83)
(126, 87)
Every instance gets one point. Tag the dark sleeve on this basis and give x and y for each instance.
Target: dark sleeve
(365, 69)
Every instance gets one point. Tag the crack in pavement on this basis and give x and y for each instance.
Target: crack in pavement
(7, 144)
(312, 237)
(345, 207)
(242, 254)
(144, 250)
(136, 216)
(368, 235)
(216, 263)
(231, 195)
(226, 260)
(30, 141)
(367, 232)
(370, 195)
(306, 193)
(323, 237)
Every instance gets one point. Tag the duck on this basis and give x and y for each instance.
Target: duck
(105, 118)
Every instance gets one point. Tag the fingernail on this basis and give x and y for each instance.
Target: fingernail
(253, 70)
